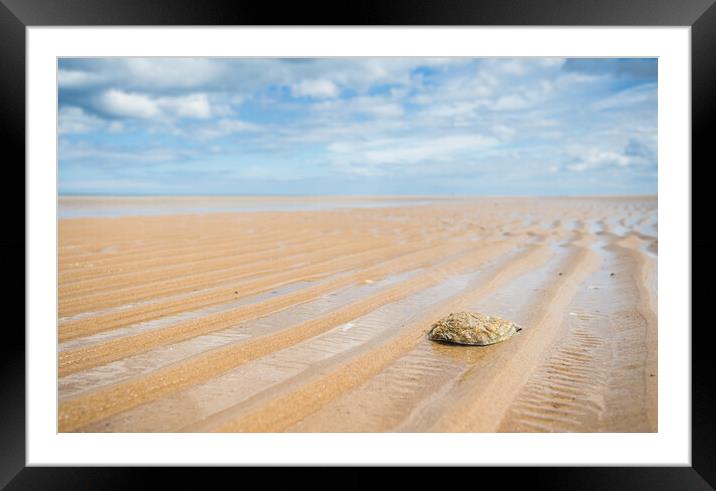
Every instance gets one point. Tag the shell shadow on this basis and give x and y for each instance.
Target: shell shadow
(465, 353)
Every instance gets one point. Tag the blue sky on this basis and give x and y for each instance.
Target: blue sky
(490, 126)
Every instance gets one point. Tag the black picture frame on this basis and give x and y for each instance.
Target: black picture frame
(17, 15)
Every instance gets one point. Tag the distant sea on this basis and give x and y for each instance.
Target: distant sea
(78, 206)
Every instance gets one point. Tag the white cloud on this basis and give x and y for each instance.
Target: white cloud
(549, 62)
(136, 105)
(581, 167)
(104, 154)
(172, 72)
(362, 73)
(512, 67)
(376, 157)
(130, 105)
(78, 78)
(441, 148)
(383, 107)
(189, 106)
(628, 97)
(510, 102)
(223, 128)
(74, 120)
(588, 158)
(503, 132)
(519, 67)
(456, 110)
(320, 89)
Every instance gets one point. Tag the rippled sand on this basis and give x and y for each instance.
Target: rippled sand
(316, 320)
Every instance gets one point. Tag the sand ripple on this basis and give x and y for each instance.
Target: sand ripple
(316, 320)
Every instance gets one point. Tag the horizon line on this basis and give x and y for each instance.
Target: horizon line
(358, 195)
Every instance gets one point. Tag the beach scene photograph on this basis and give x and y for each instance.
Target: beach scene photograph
(357, 245)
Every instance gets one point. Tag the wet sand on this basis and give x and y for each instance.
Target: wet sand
(314, 320)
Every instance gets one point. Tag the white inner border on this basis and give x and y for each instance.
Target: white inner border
(670, 446)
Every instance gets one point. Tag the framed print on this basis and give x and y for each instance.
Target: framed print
(427, 237)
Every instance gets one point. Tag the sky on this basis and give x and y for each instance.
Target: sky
(355, 126)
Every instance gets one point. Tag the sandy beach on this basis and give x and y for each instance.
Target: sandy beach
(313, 317)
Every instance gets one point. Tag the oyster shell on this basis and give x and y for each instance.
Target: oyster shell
(472, 328)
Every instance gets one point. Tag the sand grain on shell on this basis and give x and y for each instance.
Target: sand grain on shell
(317, 320)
